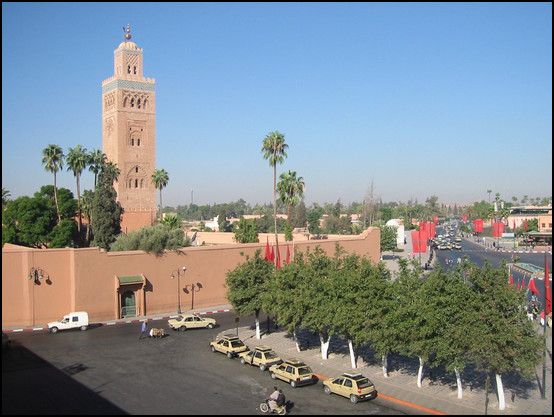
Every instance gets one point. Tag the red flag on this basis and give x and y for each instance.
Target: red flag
(532, 287)
(518, 286)
(416, 246)
(514, 228)
(478, 223)
(272, 255)
(511, 279)
(547, 289)
(436, 219)
(523, 283)
(525, 224)
(464, 218)
(267, 251)
(288, 253)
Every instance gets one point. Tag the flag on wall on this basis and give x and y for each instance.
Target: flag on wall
(267, 251)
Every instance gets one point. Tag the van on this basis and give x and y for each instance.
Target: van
(77, 319)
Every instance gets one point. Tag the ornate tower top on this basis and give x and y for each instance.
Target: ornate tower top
(127, 32)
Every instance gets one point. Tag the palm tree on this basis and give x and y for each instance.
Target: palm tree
(160, 178)
(77, 159)
(52, 159)
(96, 161)
(111, 172)
(5, 197)
(489, 192)
(291, 190)
(274, 150)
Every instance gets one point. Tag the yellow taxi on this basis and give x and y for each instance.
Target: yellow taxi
(228, 344)
(351, 385)
(293, 371)
(262, 356)
(191, 321)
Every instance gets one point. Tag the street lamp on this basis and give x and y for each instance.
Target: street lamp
(37, 274)
(178, 271)
(193, 288)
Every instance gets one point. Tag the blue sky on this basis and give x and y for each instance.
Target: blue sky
(420, 99)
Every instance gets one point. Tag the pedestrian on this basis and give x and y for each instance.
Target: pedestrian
(143, 329)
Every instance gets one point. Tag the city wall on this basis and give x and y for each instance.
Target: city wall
(93, 280)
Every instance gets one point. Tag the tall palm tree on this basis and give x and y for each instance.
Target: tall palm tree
(77, 160)
(291, 190)
(274, 149)
(96, 161)
(110, 172)
(489, 192)
(160, 178)
(52, 159)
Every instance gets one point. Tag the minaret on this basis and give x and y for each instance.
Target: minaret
(128, 134)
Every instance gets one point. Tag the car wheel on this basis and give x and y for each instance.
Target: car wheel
(182, 328)
(243, 361)
(273, 376)
(54, 330)
(83, 328)
(263, 367)
(210, 326)
(354, 399)
(229, 355)
(293, 384)
(213, 349)
(327, 390)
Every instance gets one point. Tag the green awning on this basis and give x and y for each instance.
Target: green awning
(131, 279)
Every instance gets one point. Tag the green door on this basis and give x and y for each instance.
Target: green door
(128, 307)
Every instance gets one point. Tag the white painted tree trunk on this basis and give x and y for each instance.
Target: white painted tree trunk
(420, 371)
(258, 336)
(500, 392)
(352, 354)
(385, 363)
(459, 383)
(324, 346)
(296, 341)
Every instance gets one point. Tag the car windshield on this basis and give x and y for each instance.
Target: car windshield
(364, 383)
(304, 370)
(271, 355)
(236, 343)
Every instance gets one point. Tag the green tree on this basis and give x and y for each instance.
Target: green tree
(88, 196)
(106, 211)
(77, 159)
(152, 239)
(388, 238)
(274, 149)
(172, 222)
(52, 159)
(246, 284)
(291, 190)
(246, 231)
(160, 178)
(96, 160)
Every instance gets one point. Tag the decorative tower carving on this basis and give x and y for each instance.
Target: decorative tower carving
(128, 133)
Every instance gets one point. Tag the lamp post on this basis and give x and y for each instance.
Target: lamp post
(178, 272)
(36, 274)
(193, 288)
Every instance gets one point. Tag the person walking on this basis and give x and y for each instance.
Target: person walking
(143, 329)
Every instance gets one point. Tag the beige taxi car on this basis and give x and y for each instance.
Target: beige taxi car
(191, 321)
(293, 371)
(228, 344)
(262, 356)
(351, 385)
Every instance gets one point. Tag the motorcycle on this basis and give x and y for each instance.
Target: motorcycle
(265, 408)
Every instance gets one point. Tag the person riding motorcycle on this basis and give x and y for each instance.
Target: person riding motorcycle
(273, 399)
(281, 400)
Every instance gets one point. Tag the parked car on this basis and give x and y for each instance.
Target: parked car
(351, 385)
(293, 371)
(74, 320)
(228, 344)
(262, 356)
(191, 321)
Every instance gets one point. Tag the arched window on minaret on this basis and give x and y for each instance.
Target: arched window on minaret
(128, 69)
(132, 142)
(136, 169)
(136, 183)
(138, 103)
(138, 142)
(134, 70)
(132, 102)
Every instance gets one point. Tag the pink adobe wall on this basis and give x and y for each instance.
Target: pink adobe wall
(85, 279)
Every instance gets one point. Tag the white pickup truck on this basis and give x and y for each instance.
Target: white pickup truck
(77, 319)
